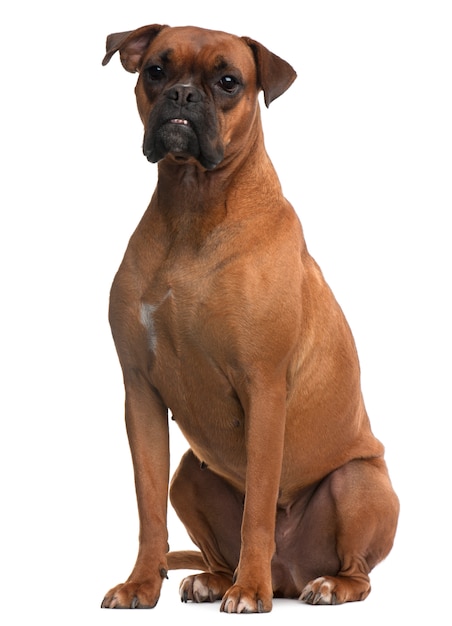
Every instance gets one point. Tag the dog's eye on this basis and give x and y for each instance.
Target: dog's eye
(228, 84)
(154, 72)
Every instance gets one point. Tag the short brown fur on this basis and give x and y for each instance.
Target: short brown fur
(220, 315)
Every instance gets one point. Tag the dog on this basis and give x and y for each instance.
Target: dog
(221, 317)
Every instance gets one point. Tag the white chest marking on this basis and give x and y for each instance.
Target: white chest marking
(147, 319)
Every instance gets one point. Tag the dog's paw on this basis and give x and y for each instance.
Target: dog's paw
(319, 591)
(204, 587)
(133, 595)
(335, 590)
(239, 599)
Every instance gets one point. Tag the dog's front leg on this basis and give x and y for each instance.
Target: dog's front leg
(265, 411)
(147, 429)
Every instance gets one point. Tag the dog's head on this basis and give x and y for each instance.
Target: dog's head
(197, 89)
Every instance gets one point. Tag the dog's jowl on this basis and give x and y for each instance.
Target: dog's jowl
(220, 316)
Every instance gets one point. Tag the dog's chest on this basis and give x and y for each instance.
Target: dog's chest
(188, 362)
(184, 335)
(173, 310)
(187, 306)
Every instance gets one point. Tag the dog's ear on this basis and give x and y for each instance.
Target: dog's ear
(274, 75)
(132, 45)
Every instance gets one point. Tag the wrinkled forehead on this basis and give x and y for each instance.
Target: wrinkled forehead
(214, 50)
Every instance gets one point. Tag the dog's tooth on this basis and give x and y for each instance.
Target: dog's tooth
(178, 120)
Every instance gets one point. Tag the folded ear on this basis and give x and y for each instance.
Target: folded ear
(274, 75)
(131, 44)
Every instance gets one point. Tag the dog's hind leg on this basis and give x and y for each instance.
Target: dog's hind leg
(365, 511)
(211, 511)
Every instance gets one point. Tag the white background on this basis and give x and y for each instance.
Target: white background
(363, 145)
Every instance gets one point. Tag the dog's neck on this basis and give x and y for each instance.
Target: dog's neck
(189, 196)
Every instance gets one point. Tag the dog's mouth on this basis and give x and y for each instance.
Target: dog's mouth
(176, 136)
(183, 140)
(181, 145)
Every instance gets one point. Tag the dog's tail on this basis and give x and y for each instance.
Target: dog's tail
(186, 559)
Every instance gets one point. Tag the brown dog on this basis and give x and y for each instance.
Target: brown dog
(220, 314)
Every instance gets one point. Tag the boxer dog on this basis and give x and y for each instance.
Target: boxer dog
(220, 316)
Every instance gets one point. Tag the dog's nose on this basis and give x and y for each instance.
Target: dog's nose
(183, 93)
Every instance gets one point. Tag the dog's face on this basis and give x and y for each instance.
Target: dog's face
(197, 90)
(196, 95)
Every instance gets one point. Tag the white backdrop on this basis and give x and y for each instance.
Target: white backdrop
(363, 145)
